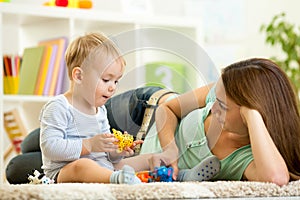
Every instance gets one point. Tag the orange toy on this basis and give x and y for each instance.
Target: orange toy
(85, 4)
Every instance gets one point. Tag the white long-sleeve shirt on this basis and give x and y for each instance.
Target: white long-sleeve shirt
(62, 129)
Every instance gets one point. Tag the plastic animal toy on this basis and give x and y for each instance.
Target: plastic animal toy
(125, 140)
(39, 178)
(159, 174)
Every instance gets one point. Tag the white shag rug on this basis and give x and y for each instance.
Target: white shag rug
(174, 190)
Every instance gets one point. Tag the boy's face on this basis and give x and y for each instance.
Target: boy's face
(95, 82)
(107, 83)
(99, 80)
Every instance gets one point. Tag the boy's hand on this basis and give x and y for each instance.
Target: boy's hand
(129, 151)
(100, 143)
(123, 140)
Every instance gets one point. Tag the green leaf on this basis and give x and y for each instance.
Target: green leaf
(282, 33)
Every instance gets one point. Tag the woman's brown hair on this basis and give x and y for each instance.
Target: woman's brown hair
(260, 84)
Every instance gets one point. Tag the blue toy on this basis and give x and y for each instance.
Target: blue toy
(163, 174)
(159, 174)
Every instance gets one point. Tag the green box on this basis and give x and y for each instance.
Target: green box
(173, 76)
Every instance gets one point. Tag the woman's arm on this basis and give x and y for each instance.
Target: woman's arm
(268, 164)
(169, 113)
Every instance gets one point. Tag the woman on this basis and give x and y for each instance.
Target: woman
(249, 121)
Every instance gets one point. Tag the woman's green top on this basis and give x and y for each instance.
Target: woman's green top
(193, 145)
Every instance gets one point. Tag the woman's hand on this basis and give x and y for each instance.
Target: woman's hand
(100, 143)
(247, 113)
(167, 158)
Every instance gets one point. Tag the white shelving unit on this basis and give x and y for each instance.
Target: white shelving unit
(23, 26)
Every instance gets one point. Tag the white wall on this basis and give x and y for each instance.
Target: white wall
(246, 19)
(261, 12)
(231, 27)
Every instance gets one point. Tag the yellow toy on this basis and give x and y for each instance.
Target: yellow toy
(73, 4)
(125, 140)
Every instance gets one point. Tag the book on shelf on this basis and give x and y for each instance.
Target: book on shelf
(48, 76)
(31, 62)
(39, 71)
(41, 79)
(62, 75)
(54, 73)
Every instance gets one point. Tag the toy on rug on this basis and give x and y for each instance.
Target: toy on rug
(39, 178)
(159, 174)
(125, 140)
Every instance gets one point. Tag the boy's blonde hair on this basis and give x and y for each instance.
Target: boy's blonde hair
(86, 49)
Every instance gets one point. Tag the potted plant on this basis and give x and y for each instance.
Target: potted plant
(281, 33)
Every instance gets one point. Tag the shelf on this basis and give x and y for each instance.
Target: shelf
(25, 98)
(25, 14)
